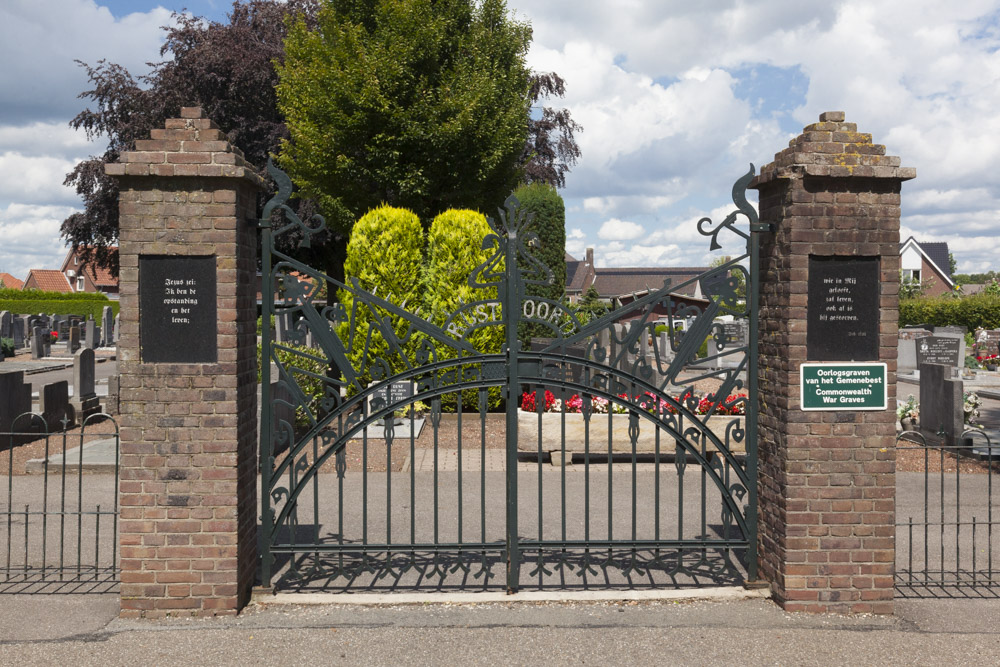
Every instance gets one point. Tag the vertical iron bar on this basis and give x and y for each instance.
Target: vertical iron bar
(45, 505)
(753, 404)
(611, 431)
(540, 409)
(911, 551)
(97, 542)
(482, 465)
(62, 512)
(941, 507)
(562, 468)
(510, 292)
(114, 520)
(958, 513)
(973, 550)
(26, 542)
(458, 418)
(389, 437)
(437, 424)
(413, 482)
(10, 491)
(266, 427)
(315, 486)
(364, 475)
(927, 500)
(79, 504)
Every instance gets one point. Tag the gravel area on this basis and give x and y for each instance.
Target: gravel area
(15, 458)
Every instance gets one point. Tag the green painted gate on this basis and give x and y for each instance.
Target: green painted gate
(614, 452)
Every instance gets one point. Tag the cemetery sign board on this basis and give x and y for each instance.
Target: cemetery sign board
(843, 309)
(846, 387)
(177, 309)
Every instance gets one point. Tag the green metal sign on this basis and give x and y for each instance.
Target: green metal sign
(843, 386)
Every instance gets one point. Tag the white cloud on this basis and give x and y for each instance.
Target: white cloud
(42, 39)
(30, 238)
(576, 242)
(620, 230)
(35, 179)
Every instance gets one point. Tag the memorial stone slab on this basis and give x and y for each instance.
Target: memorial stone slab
(90, 334)
(72, 340)
(85, 401)
(936, 349)
(37, 343)
(6, 324)
(54, 405)
(107, 324)
(15, 400)
(116, 334)
(941, 403)
(842, 313)
(177, 307)
(17, 332)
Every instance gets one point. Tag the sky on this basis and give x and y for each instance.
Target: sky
(676, 99)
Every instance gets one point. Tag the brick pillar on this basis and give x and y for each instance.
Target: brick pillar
(188, 391)
(826, 479)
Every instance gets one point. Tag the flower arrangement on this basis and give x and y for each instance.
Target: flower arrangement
(53, 336)
(970, 406)
(909, 409)
(988, 360)
(645, 401)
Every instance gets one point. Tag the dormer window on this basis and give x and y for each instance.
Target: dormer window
(80, 284)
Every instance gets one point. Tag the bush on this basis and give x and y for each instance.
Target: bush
(972, 312)
(7, 347)
(300, 367)
(33, 301)
(454, 250)
(385, 255)
(544, 203)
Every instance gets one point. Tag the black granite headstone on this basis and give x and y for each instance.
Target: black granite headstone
(177, 309)
(843, 309)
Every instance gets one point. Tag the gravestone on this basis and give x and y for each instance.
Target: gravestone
(941, 401)
(281, 328)
(15, 400)
(85, 401)
(90, 332)
(72, 340)
(114, 391)
(38, 343)
(394, 393)
(17, 332)
(107, 324)
(666, 350)
(6, 324)
(117, 329)
(906, 361)
(944, 349)
(54, 405)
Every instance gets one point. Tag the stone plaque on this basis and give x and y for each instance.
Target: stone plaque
(177, 310)
(735, 333)
(398, 391)
(939, 350)
(843, 309)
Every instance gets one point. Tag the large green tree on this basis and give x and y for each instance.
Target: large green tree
(422, 104)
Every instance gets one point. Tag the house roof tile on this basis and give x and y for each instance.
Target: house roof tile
(10, 282)
(49, 280)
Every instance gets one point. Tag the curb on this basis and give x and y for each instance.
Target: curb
(728, 593)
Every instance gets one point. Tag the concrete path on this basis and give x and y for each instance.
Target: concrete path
(84, 631)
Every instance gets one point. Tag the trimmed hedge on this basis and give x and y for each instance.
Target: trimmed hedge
(980, 310)
(32, 302)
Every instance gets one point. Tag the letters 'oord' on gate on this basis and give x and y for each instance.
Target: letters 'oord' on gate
(593, 458)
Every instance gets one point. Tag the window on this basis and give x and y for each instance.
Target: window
(911, 274)
(76, 260)
(80, 284)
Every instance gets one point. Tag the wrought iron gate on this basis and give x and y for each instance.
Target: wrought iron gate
(583, 476)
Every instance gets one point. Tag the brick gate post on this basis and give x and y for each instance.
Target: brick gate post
(827, 478)
(187, 363)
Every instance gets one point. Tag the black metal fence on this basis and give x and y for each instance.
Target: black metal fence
(947, 517)
(59, 509)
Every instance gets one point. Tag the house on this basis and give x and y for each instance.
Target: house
(928, 263)
(8, 281)
(89, 278)
(620, 286)
(48, 280)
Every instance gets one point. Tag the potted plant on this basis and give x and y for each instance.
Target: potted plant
(970, 406)
(908, 413)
